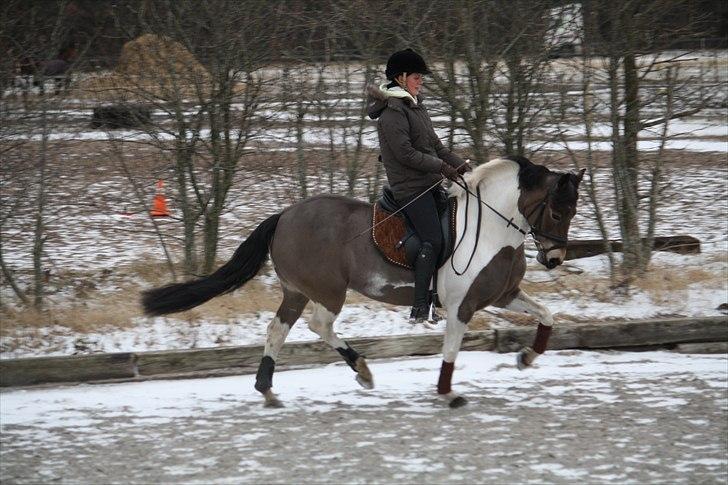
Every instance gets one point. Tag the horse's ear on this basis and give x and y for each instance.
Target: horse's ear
(578, 176)
(564, 180)
(581, 174)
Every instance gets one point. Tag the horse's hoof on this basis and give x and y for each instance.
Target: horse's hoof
(365, 383)
(453, 400)
(363, 374)
(519, 362)
(271, 401)
(525, 358)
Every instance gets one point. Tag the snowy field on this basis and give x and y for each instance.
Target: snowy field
(577, 417)
(366, 319)
(98, 237)
(696, 203)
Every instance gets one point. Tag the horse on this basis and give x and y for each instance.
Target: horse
(35, 72)
(317, 255)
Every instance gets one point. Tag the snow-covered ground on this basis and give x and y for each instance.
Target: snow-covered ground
(373, 319)
(695, 204)
(98, 233)
(654, 417)
(684, 135)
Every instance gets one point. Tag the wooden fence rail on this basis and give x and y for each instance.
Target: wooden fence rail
(244, 359)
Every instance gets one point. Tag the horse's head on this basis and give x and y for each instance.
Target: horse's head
(548, 201)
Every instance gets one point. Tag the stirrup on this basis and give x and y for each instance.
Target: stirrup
(419, 314)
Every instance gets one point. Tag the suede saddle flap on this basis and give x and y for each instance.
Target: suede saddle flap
(397, 241)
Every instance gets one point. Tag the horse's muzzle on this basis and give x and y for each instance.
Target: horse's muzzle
(552, 263)
(551, 258)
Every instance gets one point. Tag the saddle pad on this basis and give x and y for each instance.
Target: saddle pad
(388, 230)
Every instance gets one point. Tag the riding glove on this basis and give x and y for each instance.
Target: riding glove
(465, 167)
(449, 171)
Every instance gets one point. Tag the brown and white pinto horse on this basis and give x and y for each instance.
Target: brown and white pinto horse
(318, 256)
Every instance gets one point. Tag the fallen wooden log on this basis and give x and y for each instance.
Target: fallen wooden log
(584, 248)
(702, 348)
(245, 359)
(74, 368)
(301, 353)
(619, 334)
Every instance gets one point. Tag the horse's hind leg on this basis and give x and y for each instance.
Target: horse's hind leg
(322, 323)
(291, 308)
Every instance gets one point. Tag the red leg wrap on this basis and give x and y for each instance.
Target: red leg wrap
(542, 338)
(443, 384)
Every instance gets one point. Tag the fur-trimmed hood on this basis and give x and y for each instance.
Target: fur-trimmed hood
(379, 96)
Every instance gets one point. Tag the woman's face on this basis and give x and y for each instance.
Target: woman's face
(413, 83)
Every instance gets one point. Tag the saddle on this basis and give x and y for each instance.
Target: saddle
(397, 240)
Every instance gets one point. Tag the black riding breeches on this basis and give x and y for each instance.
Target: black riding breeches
(423, 215)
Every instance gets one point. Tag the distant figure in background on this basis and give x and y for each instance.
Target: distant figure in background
(415, 161)
(36, 72)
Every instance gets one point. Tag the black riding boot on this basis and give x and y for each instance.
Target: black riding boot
(424, 268)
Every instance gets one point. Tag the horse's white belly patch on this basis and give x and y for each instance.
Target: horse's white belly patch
(378, 283)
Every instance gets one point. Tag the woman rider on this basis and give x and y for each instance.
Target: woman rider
(415, 161)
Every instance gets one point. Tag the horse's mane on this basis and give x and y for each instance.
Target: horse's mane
(530, 175)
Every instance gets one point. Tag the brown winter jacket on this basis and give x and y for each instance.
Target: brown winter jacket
(411, 151)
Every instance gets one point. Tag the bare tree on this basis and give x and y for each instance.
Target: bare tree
(489, 60)
(368, 34)
(632, 37)
(40, 49)
(200, 69)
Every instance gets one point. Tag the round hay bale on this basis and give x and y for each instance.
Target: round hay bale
(149, 67)
(102, 87)
(160, 59)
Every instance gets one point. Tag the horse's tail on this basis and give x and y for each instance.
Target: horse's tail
(244, 265)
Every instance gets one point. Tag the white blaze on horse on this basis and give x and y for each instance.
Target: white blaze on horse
(317, 255)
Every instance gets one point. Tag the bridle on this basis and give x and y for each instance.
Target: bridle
(534, 229)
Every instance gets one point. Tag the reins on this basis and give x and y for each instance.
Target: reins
(465, 227)
(534, 230)
(369, 229)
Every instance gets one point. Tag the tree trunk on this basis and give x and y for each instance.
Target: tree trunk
(39, 234)
(629, 168)
(300, 152)
(183, 166)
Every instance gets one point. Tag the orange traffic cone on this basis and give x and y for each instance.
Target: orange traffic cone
(159, 204)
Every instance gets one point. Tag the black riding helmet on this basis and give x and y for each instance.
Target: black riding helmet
(405, 61)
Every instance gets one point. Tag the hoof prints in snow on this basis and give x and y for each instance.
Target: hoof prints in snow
(605, 416)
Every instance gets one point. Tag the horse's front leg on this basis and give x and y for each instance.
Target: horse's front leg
(524, 303)
(454, 332)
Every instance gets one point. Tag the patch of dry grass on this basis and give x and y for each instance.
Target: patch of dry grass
(115, 311)
(662, 283)
(658, 280)
(91, 308)
(252, 298)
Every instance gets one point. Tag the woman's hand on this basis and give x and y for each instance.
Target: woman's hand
(449, 171)
(465, 167)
